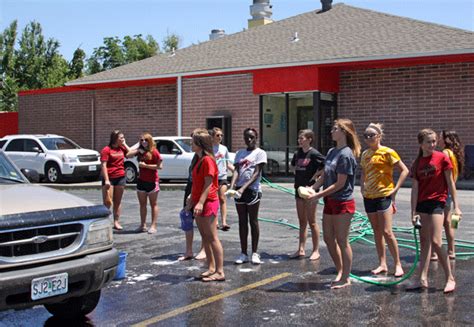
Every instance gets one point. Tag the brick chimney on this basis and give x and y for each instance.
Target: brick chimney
(261, 12)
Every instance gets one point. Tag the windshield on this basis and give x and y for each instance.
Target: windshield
(59, 143)
(8, 172)
(185, 144)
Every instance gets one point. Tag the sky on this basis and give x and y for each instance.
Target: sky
(85, 23)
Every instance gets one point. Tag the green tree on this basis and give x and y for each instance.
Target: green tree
(170, 42)
(8, 94)
(76, 66)
(7, 47)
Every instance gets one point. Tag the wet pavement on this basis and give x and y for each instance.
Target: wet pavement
(159, 290)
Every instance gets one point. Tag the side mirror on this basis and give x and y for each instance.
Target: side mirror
(176, 151)
(36, 149)
(31, 174)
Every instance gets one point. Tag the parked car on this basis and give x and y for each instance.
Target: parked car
(54, 157)
(177, 155)
(56, 249)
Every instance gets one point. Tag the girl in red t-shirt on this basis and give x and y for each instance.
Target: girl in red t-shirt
(432, 174)
(148, 186)
(113, 174)
(204, 202)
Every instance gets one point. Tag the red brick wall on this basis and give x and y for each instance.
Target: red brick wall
(135, 110)
(67, 114)
(221, 95)
(406, 100)
(8, 123)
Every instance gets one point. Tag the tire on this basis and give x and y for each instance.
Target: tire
(75, 307)
(131, 173)
(52, 173)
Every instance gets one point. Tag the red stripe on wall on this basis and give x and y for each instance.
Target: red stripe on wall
(8, 123)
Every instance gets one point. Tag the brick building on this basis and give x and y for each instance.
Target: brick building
(301, 72)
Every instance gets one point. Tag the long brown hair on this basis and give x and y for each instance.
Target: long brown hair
(452, 142)
(421, 137)
(203, 139)
(114, 136)
(151, 145)
(347, 126)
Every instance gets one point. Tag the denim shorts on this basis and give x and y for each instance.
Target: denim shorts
(378, 204)
(430, 207)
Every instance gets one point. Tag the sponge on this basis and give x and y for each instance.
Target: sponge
(305, 192)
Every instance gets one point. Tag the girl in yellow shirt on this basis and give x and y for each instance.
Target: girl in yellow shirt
(450, 143)
(379, 191)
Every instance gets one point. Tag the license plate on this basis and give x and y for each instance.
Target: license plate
(49, 286)
(92, 168)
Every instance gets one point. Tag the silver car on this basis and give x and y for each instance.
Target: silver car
(55, 248)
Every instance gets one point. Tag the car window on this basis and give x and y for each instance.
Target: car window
(2, 143)
(165, 147)
(16, 145)
(59, 143)
(30, 144)
(185, 144)
(7, 171)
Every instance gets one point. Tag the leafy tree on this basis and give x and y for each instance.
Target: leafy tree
(76, 66)
(7, 44)
(8, 94)
(170, 42)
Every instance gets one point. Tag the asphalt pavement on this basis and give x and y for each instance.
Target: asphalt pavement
(159, 290)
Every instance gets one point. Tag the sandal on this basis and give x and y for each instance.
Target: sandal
(152, 230)
(225, 228)
(213, 278)
(141, 230)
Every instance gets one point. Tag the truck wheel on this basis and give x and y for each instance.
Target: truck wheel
(75, 307)
(131, 173)
(53, 173)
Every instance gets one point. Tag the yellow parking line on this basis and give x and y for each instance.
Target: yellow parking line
(209, 300)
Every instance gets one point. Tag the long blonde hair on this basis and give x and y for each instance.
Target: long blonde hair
(347, 126)
(203, 139)
(151, 145)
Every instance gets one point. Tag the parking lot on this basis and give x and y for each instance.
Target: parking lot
(159, 290)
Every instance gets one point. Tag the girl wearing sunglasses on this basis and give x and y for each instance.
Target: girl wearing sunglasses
(379, 191)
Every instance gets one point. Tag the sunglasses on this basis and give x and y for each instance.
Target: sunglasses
(369, 135)
(142, 140)
(219, 135)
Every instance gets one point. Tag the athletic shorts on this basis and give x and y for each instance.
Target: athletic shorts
(148, 187)
(223, 182)
(210, 208)
(377, 204)
(430, 207)
(337, 207)
(249, 197)
(119, 181)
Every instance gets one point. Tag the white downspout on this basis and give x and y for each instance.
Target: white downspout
(180, 106)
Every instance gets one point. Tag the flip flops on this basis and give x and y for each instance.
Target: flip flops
(213, 278)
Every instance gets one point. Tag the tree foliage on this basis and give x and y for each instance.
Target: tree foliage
(116, 52)
(76, 66)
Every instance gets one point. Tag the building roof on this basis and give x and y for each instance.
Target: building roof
(342, 34)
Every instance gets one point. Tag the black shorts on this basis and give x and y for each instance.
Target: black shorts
(249, 197)
(223, 182)
(377, 204)
(430, 207)
(148, 187)
(119, 181)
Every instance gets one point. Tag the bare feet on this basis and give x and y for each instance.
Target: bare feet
(201, 255)
(297, 255)
(340, 284)
(315, 255)
(417, 285)
(379, 270)
(450, 286)
(451, 255)
(117, 225)
(434, 257)
(398, 271)
(186, 256)
(337, 279)
(216, 277)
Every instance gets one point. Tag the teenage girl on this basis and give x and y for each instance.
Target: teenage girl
(339, 205)
(221, 153)
(113, 174)
(450, 143)
(148, 184)
(432, 174)
(306, 162)
(249, 163)
(379, 192)
(204, 202)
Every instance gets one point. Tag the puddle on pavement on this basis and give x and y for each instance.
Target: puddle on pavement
(165, 262)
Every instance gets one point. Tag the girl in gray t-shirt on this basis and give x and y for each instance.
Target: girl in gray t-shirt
(339, 205)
